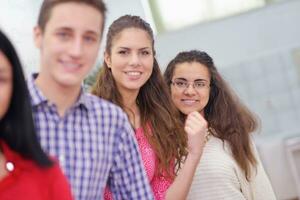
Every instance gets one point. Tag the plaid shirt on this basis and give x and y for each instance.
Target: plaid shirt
(95, 146)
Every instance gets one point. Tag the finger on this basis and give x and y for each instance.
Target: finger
(196, 123)
(196, 116)
(188, 130)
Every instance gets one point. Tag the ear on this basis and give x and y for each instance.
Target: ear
(107, 59)
(37, 36)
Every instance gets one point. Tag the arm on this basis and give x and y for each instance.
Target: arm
(128, 179)
(196, 128)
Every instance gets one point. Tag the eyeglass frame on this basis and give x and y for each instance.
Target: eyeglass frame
(187, 84)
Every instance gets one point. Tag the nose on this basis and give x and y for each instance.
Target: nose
(190, 90)
(134, 60)
(76, 47)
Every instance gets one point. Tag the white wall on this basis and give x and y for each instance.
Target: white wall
(117, 8)
(17, 19)
(237, 38)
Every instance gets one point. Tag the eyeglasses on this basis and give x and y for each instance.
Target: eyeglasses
(197, 85)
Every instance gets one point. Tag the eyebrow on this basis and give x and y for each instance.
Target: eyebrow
(196, 80)
(71, 30)
(143, 48)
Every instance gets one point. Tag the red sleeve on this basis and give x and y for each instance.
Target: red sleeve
(160, 185)
(60, 187)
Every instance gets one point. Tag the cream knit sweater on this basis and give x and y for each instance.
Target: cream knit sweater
(219, 177)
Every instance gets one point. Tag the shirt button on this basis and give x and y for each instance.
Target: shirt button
(10, 166)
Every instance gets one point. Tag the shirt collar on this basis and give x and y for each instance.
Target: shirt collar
(83, 100)
(37, 97)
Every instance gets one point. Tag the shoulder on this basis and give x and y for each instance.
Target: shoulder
(55, 182)
(104, 108)
(110, 117)
(216, 161)
(46, 174)
(97, 102)
(52, 177)
(216, 174)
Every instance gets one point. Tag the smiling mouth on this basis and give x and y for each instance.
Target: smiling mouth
(70, 65)
(133, 73)
(189, 101)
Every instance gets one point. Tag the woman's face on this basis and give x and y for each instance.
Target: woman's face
(131, 59)
(190, 87)
(6, 84)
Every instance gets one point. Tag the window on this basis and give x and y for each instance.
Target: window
(174, 14)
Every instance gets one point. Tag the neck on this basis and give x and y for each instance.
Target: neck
(131, 107)
(63, 97)
(129, 98)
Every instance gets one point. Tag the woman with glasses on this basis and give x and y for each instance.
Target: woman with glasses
(230, 167)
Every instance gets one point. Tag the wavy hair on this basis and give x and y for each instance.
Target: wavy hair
(167, 137)
(226, 114)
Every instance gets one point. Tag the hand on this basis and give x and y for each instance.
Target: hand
(196, 129)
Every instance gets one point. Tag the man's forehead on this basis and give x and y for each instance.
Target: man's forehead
(76, 16)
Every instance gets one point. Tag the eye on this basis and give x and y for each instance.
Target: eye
(90, 39)
(123, 52)
(145, 53)
(63, 35)
(181, 84)
(199, 84)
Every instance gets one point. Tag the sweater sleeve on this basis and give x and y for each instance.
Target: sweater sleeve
(217, 175)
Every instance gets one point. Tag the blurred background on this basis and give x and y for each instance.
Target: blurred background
(255, 45)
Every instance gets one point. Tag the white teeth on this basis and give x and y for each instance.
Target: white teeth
(133, 73)
(70, 65)
(188, 101)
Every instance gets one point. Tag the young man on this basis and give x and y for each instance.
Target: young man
(92, 138)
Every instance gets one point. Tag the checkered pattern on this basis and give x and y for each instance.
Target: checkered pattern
(94, 144)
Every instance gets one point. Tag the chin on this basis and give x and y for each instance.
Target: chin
(70, 82)
(134, 87)
(189, 110)
(185, 111)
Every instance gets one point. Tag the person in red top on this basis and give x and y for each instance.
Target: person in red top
(26, 172)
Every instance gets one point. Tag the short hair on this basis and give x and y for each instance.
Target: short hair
(48, 5)
(17, 126)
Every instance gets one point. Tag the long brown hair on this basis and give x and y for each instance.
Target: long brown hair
(232, 121)
(167, 136)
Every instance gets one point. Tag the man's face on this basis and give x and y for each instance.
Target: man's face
(69, 44)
